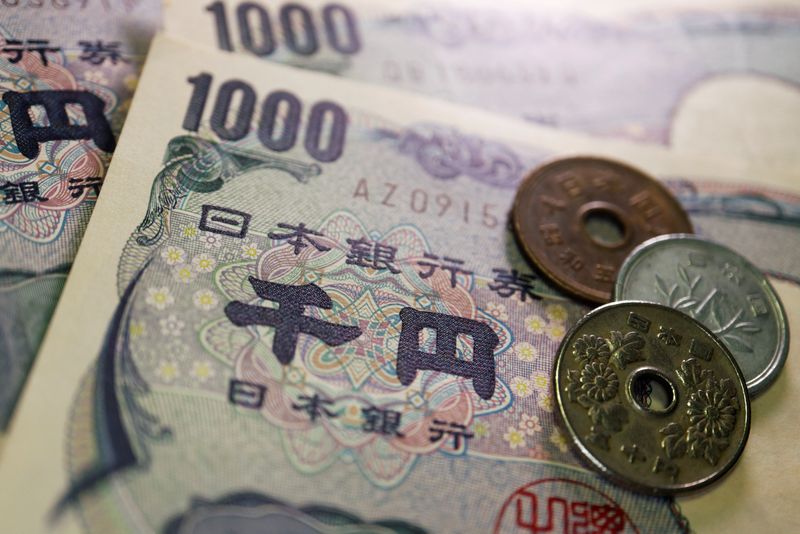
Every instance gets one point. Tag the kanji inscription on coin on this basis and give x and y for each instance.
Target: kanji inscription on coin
(578, 218)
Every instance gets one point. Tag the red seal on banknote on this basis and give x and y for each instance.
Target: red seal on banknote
(561, 505)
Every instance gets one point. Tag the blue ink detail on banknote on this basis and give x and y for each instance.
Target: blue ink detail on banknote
(543, 65)
(194, 164)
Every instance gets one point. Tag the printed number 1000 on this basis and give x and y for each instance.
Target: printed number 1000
(296, 25)
(280, 121)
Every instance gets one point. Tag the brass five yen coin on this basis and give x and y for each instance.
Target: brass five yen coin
(578, 218)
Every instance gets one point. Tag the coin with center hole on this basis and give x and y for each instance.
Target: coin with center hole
(719, 288)
(651, 398)
(578, 218)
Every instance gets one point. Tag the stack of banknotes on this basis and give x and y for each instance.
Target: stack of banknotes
(218, 217)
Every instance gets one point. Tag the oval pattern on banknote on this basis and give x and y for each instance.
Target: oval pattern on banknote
(651, 398)
(721, 289)
(578, 218)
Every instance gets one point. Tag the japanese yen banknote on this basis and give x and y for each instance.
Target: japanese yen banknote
(298, 308)
(67, 73)
(715, 80)
(667, 72)
(670, 75)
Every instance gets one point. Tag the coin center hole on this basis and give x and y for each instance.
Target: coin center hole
(652, 391)
(604, 227)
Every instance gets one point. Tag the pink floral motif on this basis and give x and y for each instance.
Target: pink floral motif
(530, 424)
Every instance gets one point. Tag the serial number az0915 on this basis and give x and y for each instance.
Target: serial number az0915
(422, 201)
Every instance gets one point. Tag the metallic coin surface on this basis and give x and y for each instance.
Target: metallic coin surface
(578, 218)
(651, 398)
(719, 288)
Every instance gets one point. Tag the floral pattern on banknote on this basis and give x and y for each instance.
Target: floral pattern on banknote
(194, 274)
(362, 373)
(48, 176)
(198, 275)
(332, 403)
(528, 428)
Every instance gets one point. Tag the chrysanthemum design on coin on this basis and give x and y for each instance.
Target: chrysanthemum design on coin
(651, 398)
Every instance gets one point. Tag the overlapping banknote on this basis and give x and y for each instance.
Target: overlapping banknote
(298, 307)
(70, 67)
(663, 73)
(666, 72)
(707, 80)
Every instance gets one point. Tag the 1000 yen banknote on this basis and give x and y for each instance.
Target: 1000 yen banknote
(608, 68)
(715, 80)
(298, 306)
(242, 191)
(67, 74)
